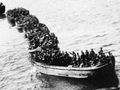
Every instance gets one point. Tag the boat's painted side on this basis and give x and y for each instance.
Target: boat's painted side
(84, 72)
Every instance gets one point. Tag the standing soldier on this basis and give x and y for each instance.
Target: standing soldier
(92, 57)
(87, 56)
(101, 51)
(83, 58)
(92, 53)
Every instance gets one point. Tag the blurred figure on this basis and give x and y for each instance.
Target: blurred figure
(1, 4)
(83, 59)
(112, 58)
(92, 53)
(101, 51)
(87, 56)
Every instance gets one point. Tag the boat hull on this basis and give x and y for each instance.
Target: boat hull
(71, 72)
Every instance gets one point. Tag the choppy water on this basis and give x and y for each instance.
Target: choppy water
(78, 24)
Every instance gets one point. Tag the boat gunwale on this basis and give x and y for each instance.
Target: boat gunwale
(71, 68)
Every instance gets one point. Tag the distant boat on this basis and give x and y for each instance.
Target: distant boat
(2, 8)
(75, 72)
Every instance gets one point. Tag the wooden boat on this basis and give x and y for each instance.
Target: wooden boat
(2, 8)
(73, 72)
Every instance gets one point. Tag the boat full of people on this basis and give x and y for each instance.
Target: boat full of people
(72, 72)
(77, 71)
(2, 8)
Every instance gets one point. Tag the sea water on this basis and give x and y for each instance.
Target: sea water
(78, 24)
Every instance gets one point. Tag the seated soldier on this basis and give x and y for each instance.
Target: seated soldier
(96, 61)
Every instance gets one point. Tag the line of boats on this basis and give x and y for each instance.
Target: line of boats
(72, 72)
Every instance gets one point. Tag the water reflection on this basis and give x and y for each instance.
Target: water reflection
(62, 83)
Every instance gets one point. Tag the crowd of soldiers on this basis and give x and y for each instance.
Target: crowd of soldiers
(90, 58)
(16, 15)
(43, 45)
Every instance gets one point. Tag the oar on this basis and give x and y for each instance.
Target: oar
(37, 49)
